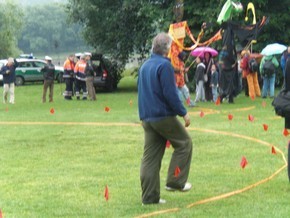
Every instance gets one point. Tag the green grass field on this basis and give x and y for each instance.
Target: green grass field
(58, 165)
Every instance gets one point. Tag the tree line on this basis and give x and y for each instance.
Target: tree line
(122, 28)
(41, 28)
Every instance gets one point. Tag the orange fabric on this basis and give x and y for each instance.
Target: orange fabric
(253, 84)
(80, 66)
(69, 65)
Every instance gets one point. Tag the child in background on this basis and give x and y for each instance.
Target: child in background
(214, 82)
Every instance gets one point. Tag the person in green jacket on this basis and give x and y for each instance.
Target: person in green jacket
(268, 69)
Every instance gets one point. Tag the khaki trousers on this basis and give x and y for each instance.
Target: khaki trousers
(8, 88)
(156, 135)
(91, 88)
(48, 84)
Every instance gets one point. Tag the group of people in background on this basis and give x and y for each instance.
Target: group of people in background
(79, 77)
(225, 80)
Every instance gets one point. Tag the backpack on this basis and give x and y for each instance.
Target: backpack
(281, 103)
(253, 65)
(268, 68)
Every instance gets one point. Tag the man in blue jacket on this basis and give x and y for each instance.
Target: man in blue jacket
(159, 104)
(8, 72)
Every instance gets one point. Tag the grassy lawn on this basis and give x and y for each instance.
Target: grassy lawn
(58, 164)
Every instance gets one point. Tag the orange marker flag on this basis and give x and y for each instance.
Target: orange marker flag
(265, 126)
(52, 111)
(106, 193)
(177, 171)
(230, 116)
(201, 114)
(167, 144)
(107, 109)
(244, 162)
(1, 215)
(251, 117)
(6, 109)
(253, 98)
(218, 101)
(264, 104)
(131, 102)
(273, 150)
(285, 132)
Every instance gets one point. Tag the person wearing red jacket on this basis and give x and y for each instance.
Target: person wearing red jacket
(68, 76)
(81, 77)
(252, 77)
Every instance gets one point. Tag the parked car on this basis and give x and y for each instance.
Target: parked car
(108, 74)
(29, 70)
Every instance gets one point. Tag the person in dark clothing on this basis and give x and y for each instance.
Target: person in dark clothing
(227, 69)
(48, 75)
(208, 62)
(199, 79)
(159, 104)
(8, 72)
(68, 76)
(287, 117)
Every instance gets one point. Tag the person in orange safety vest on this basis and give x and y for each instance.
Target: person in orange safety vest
(68, 76)
(81, 78)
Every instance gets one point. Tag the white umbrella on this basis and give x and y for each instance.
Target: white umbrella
(273, 49)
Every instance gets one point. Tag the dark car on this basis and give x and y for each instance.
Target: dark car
(108, 74)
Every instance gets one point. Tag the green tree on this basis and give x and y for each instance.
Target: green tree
(46, 30)
(10, 28)
(120, 28)
(124, 27)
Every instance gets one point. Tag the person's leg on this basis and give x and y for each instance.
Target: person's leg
(77, 88)
(51, 86)
(154, 148)
(5, 92)
(45, 86)
(173, 130)
(265, 87)
(202, 90)
(250, 81)
(84, 88)
(256, 84)
(198, 92)
(11, 93)
(272, 86)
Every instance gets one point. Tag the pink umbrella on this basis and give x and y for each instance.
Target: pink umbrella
(200, 51)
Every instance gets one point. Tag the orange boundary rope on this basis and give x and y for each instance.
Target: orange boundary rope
(204, 201)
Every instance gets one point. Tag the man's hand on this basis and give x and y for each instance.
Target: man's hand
(186, 120)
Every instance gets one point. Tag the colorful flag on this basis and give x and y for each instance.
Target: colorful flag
(201, 114)
(265, 126)
(264, 104)
(177, 171)
(52, 110)
(1, 215)
(218, 101)
(285, 132)
(244, 162)
(107, 109)
(253, 98)
(106, 193)
(168, 144)
(273, 150)
(251, 117)
(230, 116)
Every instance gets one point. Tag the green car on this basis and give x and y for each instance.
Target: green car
(29, 70)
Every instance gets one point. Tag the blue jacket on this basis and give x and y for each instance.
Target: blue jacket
(157, 92)
(9, 77)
